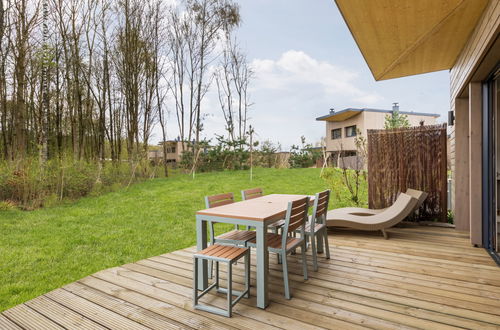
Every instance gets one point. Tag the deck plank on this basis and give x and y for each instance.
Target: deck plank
(422, 277)
(135, 313)
(456, 321)
(61, 315)
(6, 324)
(99, 314)
(28, 318)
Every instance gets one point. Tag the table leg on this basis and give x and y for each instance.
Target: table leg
(201, 243)
(262, 267)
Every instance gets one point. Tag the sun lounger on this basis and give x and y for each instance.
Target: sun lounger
(403, 207)
(417, 194)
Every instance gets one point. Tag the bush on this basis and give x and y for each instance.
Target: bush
(304, 156)
(342, 196)
(29, 184)
(225, 155)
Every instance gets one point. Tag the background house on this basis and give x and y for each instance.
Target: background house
(343, 126)
(174, 152)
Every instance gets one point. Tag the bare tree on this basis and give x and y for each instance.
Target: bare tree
(233, 78)
(24, 22)
(193, 38)
(90, 79)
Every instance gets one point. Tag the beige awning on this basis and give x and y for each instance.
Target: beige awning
(405, 37)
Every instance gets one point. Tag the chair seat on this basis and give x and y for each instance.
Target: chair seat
(317, 227)
(237, 235)
(218, 251)
(279, 224)
(274, 242)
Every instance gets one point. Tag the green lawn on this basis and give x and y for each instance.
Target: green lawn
(45, 249)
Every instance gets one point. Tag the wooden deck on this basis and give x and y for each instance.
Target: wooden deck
(422, 277)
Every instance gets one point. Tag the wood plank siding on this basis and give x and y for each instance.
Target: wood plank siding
(464, 77)
(423, 277)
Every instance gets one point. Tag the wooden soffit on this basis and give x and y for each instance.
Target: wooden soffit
(340, 116)
(406, 37)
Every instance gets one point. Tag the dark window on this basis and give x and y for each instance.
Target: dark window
(348, 153)
(336, 133)
(350, 131)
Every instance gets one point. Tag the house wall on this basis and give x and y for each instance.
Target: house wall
(465, 143)
(171, 156)
(364, 121)
(346, 142)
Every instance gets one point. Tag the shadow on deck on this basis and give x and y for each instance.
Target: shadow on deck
(422, 277)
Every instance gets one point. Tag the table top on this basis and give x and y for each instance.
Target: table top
(268, 207)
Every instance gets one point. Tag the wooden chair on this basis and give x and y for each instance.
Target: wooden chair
(251, 193)
(234, 237)
(255, 193)
(229, 255)
(316, 230)
(284, 244)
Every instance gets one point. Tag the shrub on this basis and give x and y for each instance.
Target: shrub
(225, 155)
(29, 184)
(303, 156)
(7, 206)
(339, 181)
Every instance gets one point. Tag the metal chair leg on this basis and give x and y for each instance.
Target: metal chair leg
(285, 275)
(229, 289)
(304, 261)
(195, 282)
(217, 275)
(319, 243)
(327, 247)
(314, 253)
(247, 274)
(212, 240)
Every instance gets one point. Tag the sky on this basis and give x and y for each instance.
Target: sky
(306, 62)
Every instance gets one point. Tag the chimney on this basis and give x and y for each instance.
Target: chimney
(332, 111)
(395, 107)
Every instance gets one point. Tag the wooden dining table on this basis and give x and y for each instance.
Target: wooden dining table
(259, 213)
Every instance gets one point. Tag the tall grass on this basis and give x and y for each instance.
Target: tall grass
(28, 184)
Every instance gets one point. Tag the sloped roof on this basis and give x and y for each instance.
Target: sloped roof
(406, 37)
(351, 112)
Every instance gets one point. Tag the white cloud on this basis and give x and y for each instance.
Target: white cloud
(297, 70)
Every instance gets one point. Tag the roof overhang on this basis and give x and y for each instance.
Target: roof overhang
(406, 37)
(340, 116)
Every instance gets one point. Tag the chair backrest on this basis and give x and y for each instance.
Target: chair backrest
(296, 216)
(320, 208)
(219, 200)
(420, 196)
(251, 193)
(402, 207)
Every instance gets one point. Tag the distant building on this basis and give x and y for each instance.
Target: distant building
(343, 126)
(174, 152)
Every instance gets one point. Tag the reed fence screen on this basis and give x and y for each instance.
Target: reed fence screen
(404, 158)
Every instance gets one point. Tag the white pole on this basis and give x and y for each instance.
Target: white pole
(251, 152)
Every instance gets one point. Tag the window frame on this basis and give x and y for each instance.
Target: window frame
(336, 130)
(355, 132)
